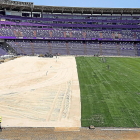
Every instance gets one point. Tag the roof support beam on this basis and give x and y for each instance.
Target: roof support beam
(42, 12)
(72, 10)
(82, 11)
(131, 12)
(91, 12)
(121, 11)
(102, 11)
(62, 10)
(31, 12)
(52, 10)
(111, 12)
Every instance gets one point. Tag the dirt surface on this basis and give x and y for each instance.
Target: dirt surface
(83, 134)
(40, 92)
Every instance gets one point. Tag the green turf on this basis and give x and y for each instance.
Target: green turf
(109, 98)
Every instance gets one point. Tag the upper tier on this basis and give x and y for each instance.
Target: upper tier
(29, 6)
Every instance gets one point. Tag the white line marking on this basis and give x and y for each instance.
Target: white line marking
(120, 129)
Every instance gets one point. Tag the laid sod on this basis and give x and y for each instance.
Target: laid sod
(109, 98)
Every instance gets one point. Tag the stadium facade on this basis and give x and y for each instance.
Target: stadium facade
(30, 29)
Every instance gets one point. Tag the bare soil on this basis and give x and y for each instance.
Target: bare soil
(51, 134)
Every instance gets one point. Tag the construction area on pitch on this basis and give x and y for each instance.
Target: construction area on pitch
(70, 92)
(40, 92)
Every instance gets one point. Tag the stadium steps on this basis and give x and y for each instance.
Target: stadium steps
(32, 47)
(34, 33)
(114, 35)
(64, 34)
(100, 49)
(135, 35)
(67, 48)
(70, 34)
(119, 35)
(20, 48)
(20, 33)
(101, 36)
(50, 33)
(50, 48)
(16, 33)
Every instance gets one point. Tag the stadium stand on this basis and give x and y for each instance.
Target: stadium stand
(40, 47)
(92, 48)
(58, 47)
(109, 48)
(127, 48)
(76, 48)
(77, 32)
(2, 51)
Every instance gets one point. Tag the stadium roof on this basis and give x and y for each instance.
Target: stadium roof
(29, 6)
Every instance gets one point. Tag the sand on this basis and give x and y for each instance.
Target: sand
(40, 92)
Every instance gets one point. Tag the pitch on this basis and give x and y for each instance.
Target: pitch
(40, 92)
(110, 98)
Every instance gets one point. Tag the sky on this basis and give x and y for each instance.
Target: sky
(88, 3)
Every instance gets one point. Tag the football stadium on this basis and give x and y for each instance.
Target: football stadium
(69, 67)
